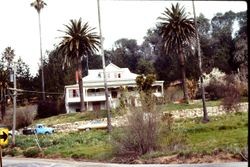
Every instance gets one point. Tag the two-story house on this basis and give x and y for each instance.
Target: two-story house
(94, 91)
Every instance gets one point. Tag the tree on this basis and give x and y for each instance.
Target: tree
(125, 54)
(24, 79)
(5, 66)
(79, 41)
(39, 5)
(3, 91)
(8, 56)
(240, 54)
(178, 32)
(222, 41)
(204, 30)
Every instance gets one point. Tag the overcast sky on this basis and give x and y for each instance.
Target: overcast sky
(120, 19)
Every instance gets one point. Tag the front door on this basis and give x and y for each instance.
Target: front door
(96, 106)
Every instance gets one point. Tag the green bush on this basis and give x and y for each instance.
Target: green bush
(32, 152)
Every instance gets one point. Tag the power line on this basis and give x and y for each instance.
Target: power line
(31, 91)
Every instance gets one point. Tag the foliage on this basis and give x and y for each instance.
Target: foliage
(38, 5)
(176, 28)
(178, 34)
(215, 89)
(145, 67)
(73, 117)
(214, 74)
(192, 86)
(25, 116)
(126, 53)
(32, 152)
(221, 132)
(173, 93)
(49, 108)
(227, 133)
(140, 134)
(145, 83)
(232, 94)
(222, 41)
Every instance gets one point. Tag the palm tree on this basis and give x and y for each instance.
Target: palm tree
(177, 31)
(79, 41)
(38, 5)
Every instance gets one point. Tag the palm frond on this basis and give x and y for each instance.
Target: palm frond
(79, 40)
(176, 28)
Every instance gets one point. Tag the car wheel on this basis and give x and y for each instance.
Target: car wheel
(87, 129)
(46, 133)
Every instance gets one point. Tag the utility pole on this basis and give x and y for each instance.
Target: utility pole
(205, 115)
(14, 107)
(104, 71)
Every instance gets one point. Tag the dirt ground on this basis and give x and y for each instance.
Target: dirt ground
(177, 159)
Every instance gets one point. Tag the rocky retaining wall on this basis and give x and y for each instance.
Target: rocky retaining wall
(212, 111)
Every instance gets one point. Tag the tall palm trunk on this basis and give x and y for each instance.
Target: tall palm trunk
(183, 74)
(80, 83)
(41, 55)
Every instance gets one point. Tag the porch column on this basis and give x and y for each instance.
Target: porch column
(162, 89)
(87, 102)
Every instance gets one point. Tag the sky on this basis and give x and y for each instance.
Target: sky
(119, 19)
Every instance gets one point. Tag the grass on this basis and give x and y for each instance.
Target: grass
(71, 117)
(183, 106)
(198, 104)
(227, 133)
(87, 145)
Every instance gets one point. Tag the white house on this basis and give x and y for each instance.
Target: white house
(94, 92)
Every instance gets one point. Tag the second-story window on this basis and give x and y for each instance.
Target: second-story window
(73, 93)
(119, 75)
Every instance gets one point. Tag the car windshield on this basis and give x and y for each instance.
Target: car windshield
(96, 122)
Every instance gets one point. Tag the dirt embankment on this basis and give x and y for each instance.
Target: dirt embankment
(218, 157)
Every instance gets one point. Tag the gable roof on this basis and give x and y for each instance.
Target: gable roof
(113, 72)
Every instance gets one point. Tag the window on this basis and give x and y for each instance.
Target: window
(119, 75)
(114, 94)
(99, 75)
(73, 93)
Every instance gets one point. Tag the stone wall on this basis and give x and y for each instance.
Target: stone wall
(212, 111)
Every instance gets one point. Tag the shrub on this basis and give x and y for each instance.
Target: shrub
(215, 89)
(232, 94)
(215, 74)
(32, 152)
(173, 93)
(142, 130)
(24, 116)
(192, 86)
(50, 108)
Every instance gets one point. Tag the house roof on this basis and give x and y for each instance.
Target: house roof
(115, 76)
(113, 73)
